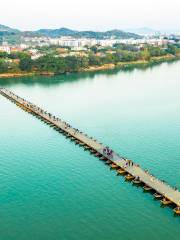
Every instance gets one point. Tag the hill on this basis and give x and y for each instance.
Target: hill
(88, 34)
(4, 28)
(56, 32)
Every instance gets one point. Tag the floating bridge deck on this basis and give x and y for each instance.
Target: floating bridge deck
(132, 171)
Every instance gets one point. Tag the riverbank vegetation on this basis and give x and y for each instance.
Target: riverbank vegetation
(53, 60)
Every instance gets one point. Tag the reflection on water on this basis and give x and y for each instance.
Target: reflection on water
(56, 80)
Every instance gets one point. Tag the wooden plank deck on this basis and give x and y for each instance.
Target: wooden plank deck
(135, 170)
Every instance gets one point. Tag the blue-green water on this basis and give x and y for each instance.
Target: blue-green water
(51, 189)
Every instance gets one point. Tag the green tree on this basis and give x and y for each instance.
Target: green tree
(25, 63)
(3, 66)
(94, 60)
(3, 54)
(145, 55)
(171, 49)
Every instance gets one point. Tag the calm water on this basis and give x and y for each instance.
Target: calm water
(51, 189)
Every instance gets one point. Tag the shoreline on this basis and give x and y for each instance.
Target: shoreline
(15, 75)
(110, 66)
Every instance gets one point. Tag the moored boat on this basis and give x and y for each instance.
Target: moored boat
(177, 210)
(136, 181)
(158, 195)
(97, 154)
(114, 166)
(129, 177)
(121, 171)
(108, 162)
(147, 188)
(166, 201)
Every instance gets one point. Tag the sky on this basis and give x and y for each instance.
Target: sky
(90, 15)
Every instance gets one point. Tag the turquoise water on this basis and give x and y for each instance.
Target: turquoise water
(52, 189)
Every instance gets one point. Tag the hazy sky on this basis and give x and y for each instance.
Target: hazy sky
(92, 14)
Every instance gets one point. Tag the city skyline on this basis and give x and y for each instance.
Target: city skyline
(77, 15)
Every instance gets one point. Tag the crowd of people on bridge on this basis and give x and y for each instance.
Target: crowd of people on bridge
(129, 163)
(107, 151)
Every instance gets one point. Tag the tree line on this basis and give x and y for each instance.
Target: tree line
(95, 57)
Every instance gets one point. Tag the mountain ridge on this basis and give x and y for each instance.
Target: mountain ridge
(59, 32)
(89, 34)
(4, 28)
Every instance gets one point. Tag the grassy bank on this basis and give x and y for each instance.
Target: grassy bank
(133, 64)
(152, 61)
(12, 75)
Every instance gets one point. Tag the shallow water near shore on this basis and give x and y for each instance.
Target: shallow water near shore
(52, 189)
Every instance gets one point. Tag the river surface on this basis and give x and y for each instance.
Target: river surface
(53, 190)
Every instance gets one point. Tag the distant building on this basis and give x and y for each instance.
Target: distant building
(6, 49)
(77, 43)
(16, 49)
